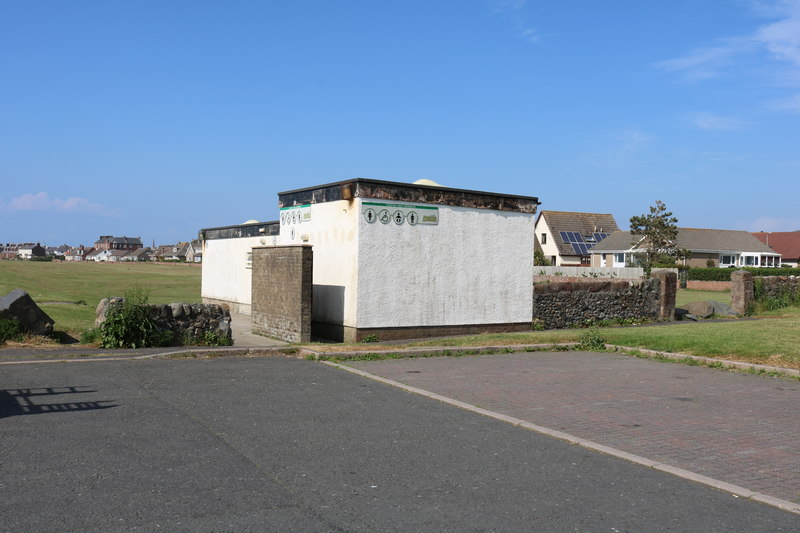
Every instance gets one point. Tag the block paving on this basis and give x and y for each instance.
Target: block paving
(738, 428)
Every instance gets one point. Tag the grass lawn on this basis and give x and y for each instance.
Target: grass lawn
(684, 296)
(69, 292)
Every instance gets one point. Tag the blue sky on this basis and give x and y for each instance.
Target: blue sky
(156, 119)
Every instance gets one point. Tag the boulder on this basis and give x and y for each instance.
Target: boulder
(18, 305)
(701, 309)
(721, 309)
(103, 307)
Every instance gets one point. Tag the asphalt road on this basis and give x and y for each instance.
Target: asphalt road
(276, 444)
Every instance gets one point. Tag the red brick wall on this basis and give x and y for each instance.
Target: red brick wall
(709, 285)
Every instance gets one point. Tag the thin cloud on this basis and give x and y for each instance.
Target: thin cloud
(507, 5)
(531, 35)
(780, 40)
(622, 150)
(714, 122)
(774, 224)
(43, 202)
(705, 62)
(791, 104)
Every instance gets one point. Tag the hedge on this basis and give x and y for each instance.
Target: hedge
(724, 274)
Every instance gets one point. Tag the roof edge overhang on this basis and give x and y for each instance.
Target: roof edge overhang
(407, 192)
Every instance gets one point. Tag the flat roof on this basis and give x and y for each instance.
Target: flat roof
(409, 192)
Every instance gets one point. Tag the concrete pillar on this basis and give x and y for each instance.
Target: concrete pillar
(741, 291)
(667, 289)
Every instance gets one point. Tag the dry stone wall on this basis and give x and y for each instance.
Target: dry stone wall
(569, 304)
(189, 322)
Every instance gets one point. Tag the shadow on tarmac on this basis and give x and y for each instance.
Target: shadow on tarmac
(17, 402)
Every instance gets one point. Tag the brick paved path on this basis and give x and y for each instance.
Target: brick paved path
(738, 428)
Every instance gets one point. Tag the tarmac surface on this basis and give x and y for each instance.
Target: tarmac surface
(280, 444)
(136, 440)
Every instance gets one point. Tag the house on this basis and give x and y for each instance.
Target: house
(109, 242)
(170, 252)
(140, 254)
(786, 243)
(29, 251)
(75, 254)
(9, 251)
(717, 247)
(566, 237)
(194, 252)
(91, 255)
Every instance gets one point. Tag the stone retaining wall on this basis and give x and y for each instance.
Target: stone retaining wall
(578, 303)
(188, 322)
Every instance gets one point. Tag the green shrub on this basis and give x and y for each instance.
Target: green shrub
(212, 338)
(592, 340)
(90, 336)
(9, 330)
(131, 325)
(724, 274)
(371, 338)
(764, 302)
(710, 274)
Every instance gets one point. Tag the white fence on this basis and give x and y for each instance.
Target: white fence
(589, 272)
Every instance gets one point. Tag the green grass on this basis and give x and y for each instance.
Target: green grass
(773, 341)
(80, 286)
(685, 296)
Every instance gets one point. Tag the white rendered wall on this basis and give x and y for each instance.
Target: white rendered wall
(550, 249)
(226, 274)
(474, 267)
(332, 229)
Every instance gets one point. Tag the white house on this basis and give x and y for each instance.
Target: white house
(565, 237)
(716, 247)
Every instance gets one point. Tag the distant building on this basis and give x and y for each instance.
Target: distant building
(566, 237)
(138, 255)
(109, 242)
(29, 251)
(786, 243)
(717, 247)
(170, 252)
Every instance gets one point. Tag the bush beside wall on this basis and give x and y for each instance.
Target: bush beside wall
(724, 274)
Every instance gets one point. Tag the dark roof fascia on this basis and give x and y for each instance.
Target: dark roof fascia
(408, 192)
(235, 231)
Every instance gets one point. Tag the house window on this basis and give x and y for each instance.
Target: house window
(749, 260)
(727, 260)
(249, 261)
(619, 260)
(544, 238)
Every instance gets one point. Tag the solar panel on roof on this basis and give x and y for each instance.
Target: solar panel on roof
(600, 236)
(565, 237)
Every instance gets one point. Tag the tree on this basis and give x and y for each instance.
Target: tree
(659, 232)
(539, 259)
